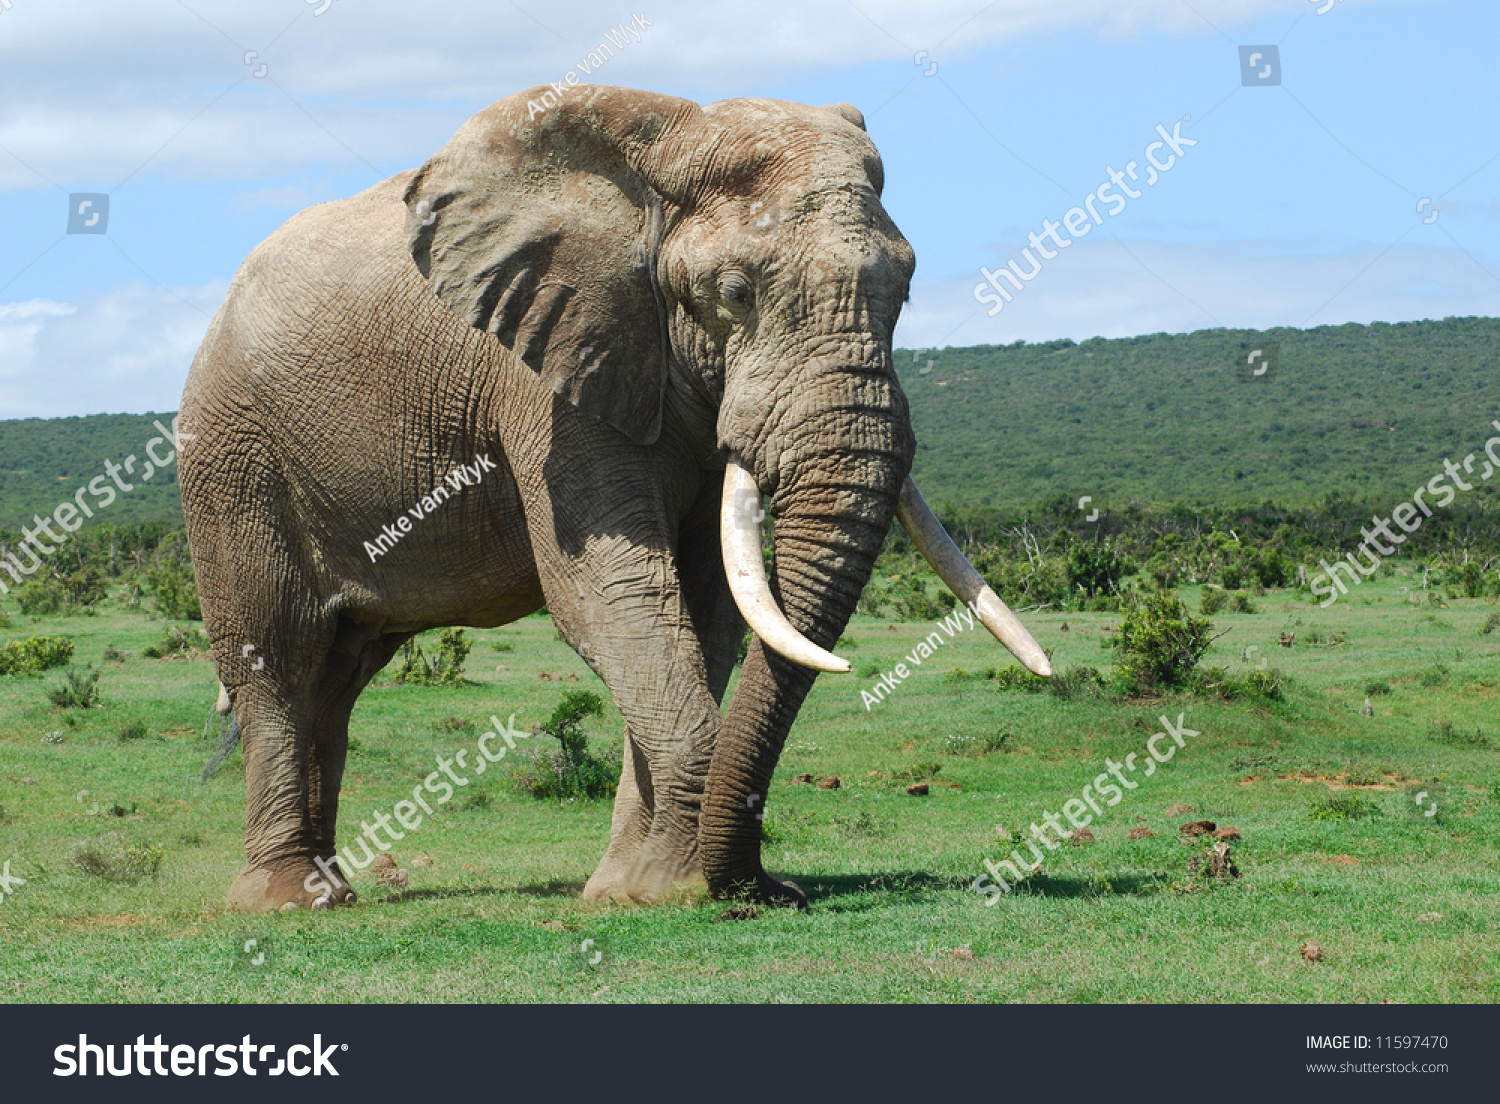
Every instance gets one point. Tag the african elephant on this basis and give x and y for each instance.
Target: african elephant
(642, 313)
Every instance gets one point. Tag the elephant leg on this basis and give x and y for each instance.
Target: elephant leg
(620, 606)
(358, 654)
(720, 628)
(278, 739)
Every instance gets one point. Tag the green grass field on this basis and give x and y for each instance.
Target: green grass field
(1405, 906)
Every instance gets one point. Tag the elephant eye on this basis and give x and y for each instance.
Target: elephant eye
(735, 289)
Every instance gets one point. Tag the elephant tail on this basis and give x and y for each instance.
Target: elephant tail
(229, 736)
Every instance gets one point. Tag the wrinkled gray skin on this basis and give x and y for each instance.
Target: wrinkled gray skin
(607, 300)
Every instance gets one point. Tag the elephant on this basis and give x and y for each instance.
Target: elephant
(653, 320)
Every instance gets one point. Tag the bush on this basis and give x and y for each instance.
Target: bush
(1376, 689)
(1212, 601)
(1159, 643)
(1079, 680)
(1489, 624)
(447, 670)
(58, 593)
(573, 772)
(34, 655)
(173, 588)
(114, 859)
(79, 691)
(1096, 567)
(135, 730)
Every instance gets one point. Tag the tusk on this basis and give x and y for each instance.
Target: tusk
(739, 533)
(928, 534)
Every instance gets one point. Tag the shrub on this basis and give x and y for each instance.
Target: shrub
(1212, 601)
(867, 669)
(114, 859)
(135, 730)
(79, 691)
(1159, 643)
(1435, 675)
(1015, 677)
(957, 676)
(4, 619)
(1239, 602)
(573, 772)
(446, 670)
(1377, 688)
(174, 591)
(34, 655)
(1489, 624)
(1079, 680)
(1096, 567)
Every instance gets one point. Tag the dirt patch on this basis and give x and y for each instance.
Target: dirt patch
(1342, 860)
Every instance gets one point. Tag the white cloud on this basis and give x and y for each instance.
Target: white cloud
(98, 87)
(126, 350)
(1101, 290)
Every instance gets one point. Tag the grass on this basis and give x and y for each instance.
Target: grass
(1405, 905)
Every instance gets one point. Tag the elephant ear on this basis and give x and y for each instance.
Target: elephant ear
(538, 223)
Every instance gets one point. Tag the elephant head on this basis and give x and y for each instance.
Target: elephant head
(728, 274)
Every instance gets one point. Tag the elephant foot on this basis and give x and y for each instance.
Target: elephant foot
(293, 884)
(764, 890)
(644, 878)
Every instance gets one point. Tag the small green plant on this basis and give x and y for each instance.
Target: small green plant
(135, 730)
(1377, 688)
(1435, 675)
(1444, 733)
(115, 859)
(860, 825)
(573, 772)
(34, 655)
(446, 670)
(114, 655)
(957, 676)
(867, 668)
(80, 690)
(453, 724)
(1078, 681)
(1343, 806)
(1239, 602)
(176, 640)
(918, 772)
(1159, 643)
(1489, 623)
(1014, 677)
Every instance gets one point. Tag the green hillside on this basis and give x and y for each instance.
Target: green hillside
(44, 461)
(1366, 411)
(1362, 410)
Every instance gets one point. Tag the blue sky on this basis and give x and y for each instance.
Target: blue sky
(1298, 206)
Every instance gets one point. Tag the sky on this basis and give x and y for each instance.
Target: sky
(1352, 173)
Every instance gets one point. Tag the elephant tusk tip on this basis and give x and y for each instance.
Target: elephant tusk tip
(837, 666)
(1040, 667)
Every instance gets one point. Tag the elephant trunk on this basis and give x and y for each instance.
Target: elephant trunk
(838, 482)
